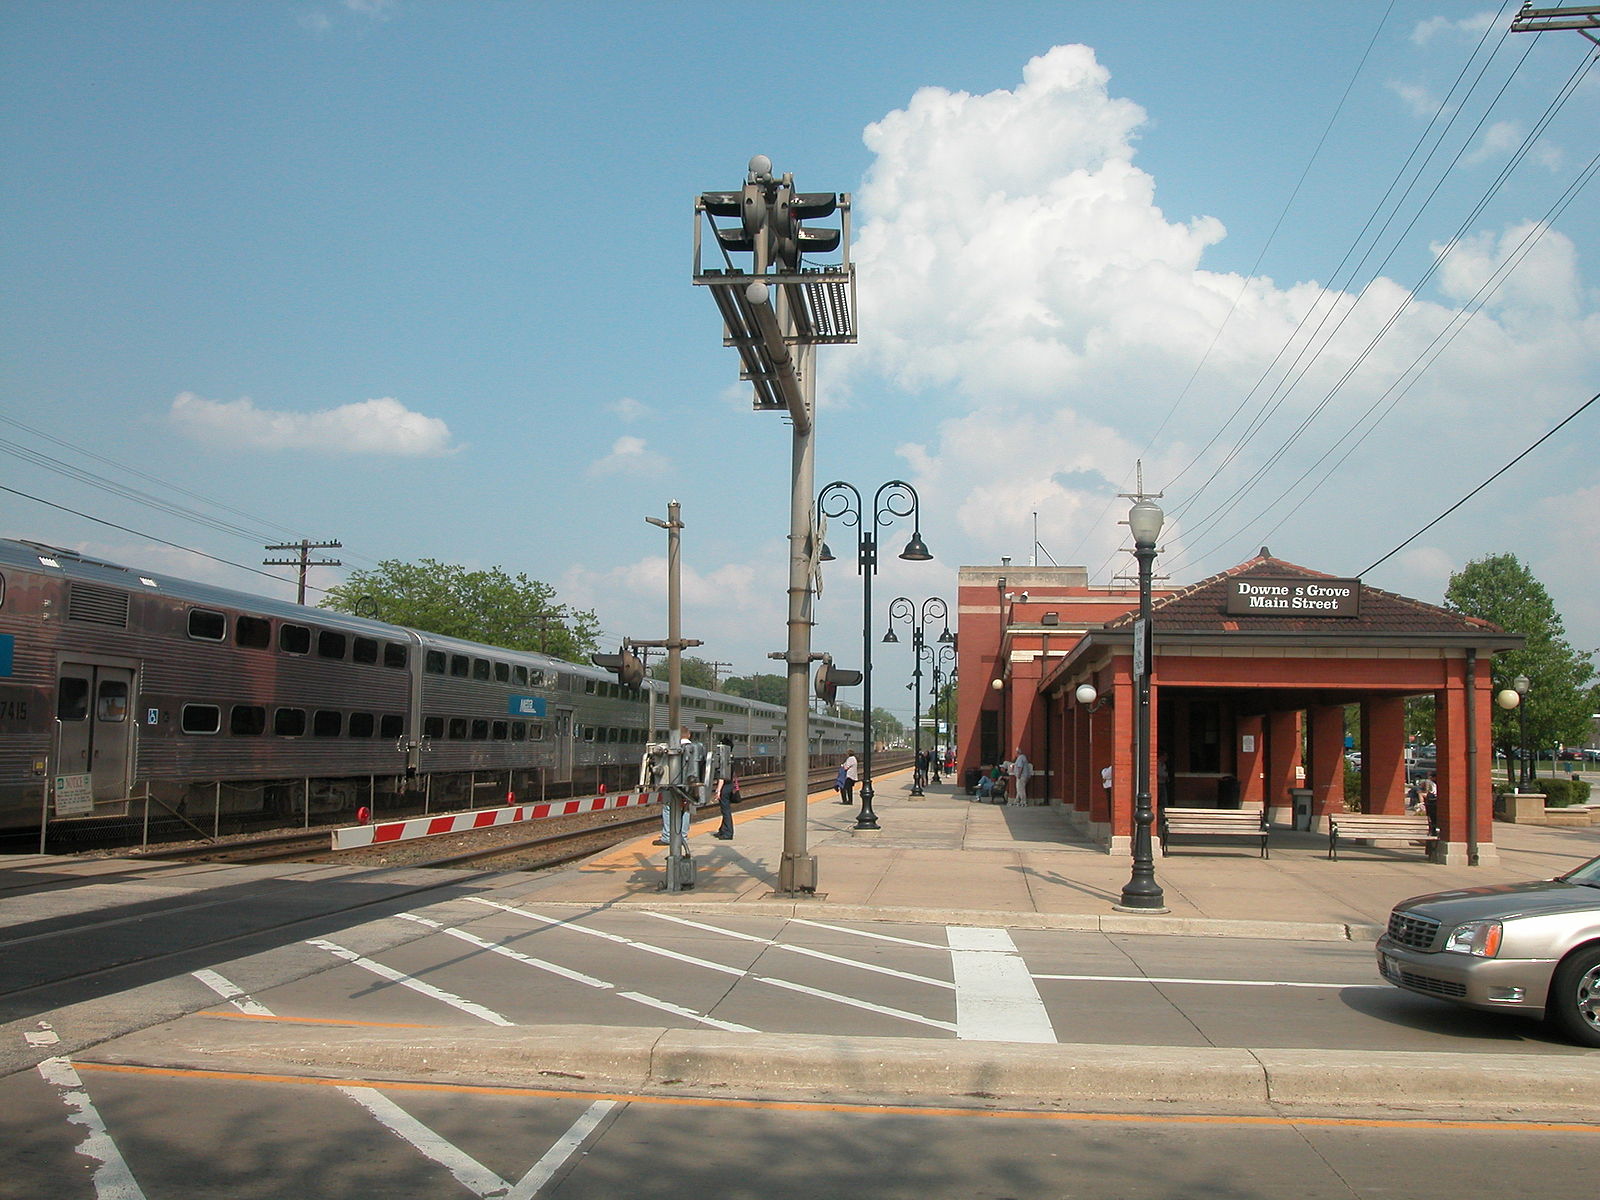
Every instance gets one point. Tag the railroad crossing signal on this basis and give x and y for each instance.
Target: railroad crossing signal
(625, 665)
(831, 678)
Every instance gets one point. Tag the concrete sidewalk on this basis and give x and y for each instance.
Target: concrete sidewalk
(945, 859)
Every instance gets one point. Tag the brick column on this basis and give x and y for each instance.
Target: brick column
(1383, 754)
(1450, 727)
(1326, 775)
(1283, 765)
(1249, 764)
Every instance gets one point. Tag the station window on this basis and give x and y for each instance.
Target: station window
(460, 666)
(294, 639)
(361, 724)
(391, 725)
(480, 668)
(289, 722)
(519, 676)
(499, 731)
(201, 718)
(247, 720)
(433, 727)
(330, 644)
(394, 655)
(253, 633)
(433, 662)
(458, 729)
(480, 730)
(207, 626)
(364, 650)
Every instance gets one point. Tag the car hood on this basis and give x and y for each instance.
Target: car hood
(1504, 900)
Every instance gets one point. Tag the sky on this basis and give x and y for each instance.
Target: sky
(416, 276)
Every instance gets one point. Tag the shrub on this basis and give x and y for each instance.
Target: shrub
(1562, 793)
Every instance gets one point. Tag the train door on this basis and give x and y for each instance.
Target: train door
(93, 704)
(564, 749)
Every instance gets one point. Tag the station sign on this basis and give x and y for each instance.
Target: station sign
(74, 795)
(526, 706)
(1293, 597)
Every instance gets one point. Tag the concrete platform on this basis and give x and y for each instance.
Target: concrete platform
(944, 858)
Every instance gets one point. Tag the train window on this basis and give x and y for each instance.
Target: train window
(394, 655)
(433, 727)
(536, 677)
(519, 731)
(589, 687)
(458, 728)
(330, 644)
(207, 626)
(72, 699)
(433, 662)
(247, 720)
(327, 722)
(364, 650)
(460, 666)
(111, 704)
(536, 733)
(519, 676)
(2, 591)
(480, 668)
(588, 733)
(499, 731)
(480, 730)
(253, 633)
(502, 672)
(289, 722)
(201, 718)
(294, 639)
(361, 724)
(391, 725)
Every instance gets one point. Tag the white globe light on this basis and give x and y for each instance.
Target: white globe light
(1086, 694)
(1508, 699)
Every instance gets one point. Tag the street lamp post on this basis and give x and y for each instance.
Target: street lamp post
(1142, 893)
(1521, 686)
(940, 655)
(903, 609)
(841, 501)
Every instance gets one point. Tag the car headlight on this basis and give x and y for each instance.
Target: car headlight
(1480, 938)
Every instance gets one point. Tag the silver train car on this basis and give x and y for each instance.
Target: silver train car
(130, 696)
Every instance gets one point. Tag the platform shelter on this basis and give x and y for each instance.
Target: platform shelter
(1254, 670)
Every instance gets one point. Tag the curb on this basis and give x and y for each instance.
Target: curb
(686, 1060)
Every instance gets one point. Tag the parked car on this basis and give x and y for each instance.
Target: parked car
(1530, 948)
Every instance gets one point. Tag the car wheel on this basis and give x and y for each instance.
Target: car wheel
(1575, 996)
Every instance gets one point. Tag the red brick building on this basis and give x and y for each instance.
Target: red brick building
(1253, 670)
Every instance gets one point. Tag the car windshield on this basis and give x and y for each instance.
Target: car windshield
(1588, 874)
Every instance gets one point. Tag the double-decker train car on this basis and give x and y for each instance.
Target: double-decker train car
(130, 695)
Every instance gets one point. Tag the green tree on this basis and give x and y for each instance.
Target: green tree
(490, 606)
(1500, 589)
(886, 727)
(764, 689)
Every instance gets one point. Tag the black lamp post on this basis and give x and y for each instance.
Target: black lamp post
(841, 501)
(1521, 686)
(1142, 893)
(941, 655)
(902, 609)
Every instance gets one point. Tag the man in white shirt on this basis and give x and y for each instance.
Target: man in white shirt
(1021, 772)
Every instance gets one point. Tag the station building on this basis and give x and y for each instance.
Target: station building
(1253, 670)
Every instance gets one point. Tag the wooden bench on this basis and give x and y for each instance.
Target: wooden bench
(1393, 826)
(1215, 822)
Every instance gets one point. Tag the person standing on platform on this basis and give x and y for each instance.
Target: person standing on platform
(849, 772)
(688, 780)
(726, 787)
(1021, 771)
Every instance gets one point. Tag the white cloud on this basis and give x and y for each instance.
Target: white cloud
(631, 410)
(1417, 98)
(629, 458)
(382, 427)
(1544, 283)
(1425, 31)
(1498, 140)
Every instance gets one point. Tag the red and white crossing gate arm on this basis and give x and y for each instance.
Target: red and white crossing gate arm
(355, 836)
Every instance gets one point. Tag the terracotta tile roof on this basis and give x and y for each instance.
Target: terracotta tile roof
(1202, 607)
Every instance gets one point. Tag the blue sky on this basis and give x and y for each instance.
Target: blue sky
(416, 275)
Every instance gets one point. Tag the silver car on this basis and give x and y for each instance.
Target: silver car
(1531, 948)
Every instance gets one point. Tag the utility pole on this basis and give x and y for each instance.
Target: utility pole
(776, 313)
(1585, 18)
(716, 674)
(303, 549)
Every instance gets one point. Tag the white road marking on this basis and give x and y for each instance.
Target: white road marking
(996, 1000)
(835, 997)
(232, 993)
(810, 953)
(112, 1178)
(416, 985)
(1378, 987)
(864, 933)
(468, 1171)
(578, 976)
